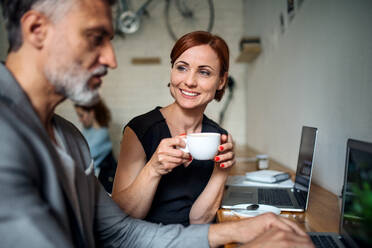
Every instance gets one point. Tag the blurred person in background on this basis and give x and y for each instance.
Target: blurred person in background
(95, 120)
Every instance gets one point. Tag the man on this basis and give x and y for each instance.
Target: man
(49, 194)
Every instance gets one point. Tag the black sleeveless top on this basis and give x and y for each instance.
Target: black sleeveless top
(179, 189)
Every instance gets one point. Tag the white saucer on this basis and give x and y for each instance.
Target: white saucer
(251, 213)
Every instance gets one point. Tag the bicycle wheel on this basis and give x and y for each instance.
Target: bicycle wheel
(184, 16)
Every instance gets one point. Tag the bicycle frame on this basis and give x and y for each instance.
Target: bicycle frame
(129, 21)
(139, 12)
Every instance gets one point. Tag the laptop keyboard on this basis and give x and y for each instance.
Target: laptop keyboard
(325, 241)
(277, 197)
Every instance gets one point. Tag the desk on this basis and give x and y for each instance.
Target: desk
(322, 214)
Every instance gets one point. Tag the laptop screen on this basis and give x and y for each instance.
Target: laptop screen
(305, 160)
(356, 218)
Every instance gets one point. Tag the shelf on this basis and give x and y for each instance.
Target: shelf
(250, 48)
(146, 60)
(249, 52)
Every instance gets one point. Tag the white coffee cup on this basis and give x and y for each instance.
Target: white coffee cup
(202, 146)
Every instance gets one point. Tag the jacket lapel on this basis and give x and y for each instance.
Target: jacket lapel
(76, 150)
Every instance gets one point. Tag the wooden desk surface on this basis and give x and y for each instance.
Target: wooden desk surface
(322, 214)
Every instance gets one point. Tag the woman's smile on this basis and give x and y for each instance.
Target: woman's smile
(189, 94)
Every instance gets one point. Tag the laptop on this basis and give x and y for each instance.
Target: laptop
(356, 210)
(293, 199)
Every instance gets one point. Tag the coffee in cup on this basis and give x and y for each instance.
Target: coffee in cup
(202, 146)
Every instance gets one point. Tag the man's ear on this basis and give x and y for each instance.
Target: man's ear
(34, 27)
(223, 81)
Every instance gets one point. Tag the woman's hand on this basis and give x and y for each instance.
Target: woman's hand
(167, 156)
(226, 154)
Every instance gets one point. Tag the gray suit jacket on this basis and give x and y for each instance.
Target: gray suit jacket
(35, 200)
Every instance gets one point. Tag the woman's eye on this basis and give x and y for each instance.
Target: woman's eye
(204, 72)
(181, 68)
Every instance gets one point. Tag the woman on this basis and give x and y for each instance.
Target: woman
(155, 180)
(95, 120)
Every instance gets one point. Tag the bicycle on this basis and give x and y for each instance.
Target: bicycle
(181, 16)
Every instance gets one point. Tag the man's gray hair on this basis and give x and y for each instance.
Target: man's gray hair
(52, 8)
(13, 10)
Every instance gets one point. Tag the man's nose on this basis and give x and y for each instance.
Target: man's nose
(108, 57)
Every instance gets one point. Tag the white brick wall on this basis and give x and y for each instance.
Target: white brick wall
(131, 90)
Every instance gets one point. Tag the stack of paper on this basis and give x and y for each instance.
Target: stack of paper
(262, 178)
(267, 176)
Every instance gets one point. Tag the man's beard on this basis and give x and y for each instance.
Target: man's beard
(72, 82)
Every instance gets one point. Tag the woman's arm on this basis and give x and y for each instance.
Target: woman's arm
(206, 205)
(136, 181)
(134, 184)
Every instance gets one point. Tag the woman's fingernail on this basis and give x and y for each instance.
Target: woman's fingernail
(220, 148)
(190, 158)
(222, 165)
(217, 159)
(182, 134)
